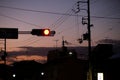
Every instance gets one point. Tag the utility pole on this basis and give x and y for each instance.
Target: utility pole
(63, 42)
(88, 34)
(63, 45)
(56, 42)
(89, 30)
(5, 53)
(89, 41)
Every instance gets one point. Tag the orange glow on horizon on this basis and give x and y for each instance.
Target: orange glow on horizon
(37, 58)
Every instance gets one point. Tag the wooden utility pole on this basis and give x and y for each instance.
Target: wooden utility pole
(89, 40)
(88, 34)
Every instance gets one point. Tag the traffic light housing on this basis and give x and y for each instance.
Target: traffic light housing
(42, 32)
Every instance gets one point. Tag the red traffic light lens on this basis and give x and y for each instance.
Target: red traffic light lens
(46, 32)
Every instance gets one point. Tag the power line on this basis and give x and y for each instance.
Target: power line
(13, 18)
(61, 20)
(102, 17)
(28, 42)
(57, 13)
(32, 42)
(34, 10)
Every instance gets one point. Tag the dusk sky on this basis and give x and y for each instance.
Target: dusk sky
(35, 14)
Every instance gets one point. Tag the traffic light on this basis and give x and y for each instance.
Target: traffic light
(42, 32)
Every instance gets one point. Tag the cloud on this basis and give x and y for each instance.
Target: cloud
(37, 58)
(38, 54)
(116, 44)
(109, 41)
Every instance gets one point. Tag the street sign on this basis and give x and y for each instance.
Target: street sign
(9, 33)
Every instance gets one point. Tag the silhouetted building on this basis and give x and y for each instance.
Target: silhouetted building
(60, 54)
(102, 52)
(5, 72)
(27, 70)
(64, 65)
(66, 69)
(102, 63)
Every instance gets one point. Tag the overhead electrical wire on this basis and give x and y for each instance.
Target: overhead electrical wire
(102, 17)
(61, 20)
(13, 18)
(58, 22)
(32, 42)
(34, 10)
(71, 12)
(26, 40)
(30, 39)
(57, 13)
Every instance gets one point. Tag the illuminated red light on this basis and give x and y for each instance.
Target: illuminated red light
(46, 32)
